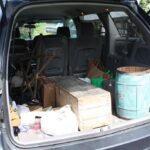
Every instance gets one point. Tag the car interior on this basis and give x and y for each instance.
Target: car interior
(58, 42)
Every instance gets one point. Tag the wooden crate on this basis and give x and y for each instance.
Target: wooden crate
(91, 105)
(47, 92)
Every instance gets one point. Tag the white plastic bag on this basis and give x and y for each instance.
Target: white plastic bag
(23, 109)
(28, 118)
(59, 122)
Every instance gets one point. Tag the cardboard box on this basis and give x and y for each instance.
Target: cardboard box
(91, 105)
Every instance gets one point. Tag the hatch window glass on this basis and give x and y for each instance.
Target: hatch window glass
(124, 24)
(29, 31)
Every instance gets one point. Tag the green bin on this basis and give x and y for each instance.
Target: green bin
(98, 82)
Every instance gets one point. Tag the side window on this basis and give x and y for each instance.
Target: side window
(124, 25)
(99, 29)
(73, 31)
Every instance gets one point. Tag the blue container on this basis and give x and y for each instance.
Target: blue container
(132, 92)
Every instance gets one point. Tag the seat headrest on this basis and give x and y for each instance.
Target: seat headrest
(87, 30)
(18, 41)
(16, 33)
(64, 31)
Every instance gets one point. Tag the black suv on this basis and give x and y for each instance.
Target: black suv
(116, 33)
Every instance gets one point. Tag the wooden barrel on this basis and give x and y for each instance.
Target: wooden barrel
(132, 92)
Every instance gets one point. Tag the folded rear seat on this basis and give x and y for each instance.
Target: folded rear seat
(83, 48)
(56, 45)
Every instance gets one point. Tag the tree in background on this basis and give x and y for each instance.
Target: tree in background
(145, 4)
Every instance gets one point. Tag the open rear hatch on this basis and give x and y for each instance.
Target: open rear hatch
(66, 74)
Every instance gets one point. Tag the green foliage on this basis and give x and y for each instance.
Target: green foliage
(145, 4)
(24, 33)
(40, 28)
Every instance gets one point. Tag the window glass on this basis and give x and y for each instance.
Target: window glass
(73, 31)
(89, 17)
(99, 29)
(124, 24)
(29, 31)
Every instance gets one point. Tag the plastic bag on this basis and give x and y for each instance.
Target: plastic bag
(59, 122)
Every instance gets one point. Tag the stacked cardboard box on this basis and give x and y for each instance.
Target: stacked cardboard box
(91, 105)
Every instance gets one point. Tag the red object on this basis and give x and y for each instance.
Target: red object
(106, 76)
